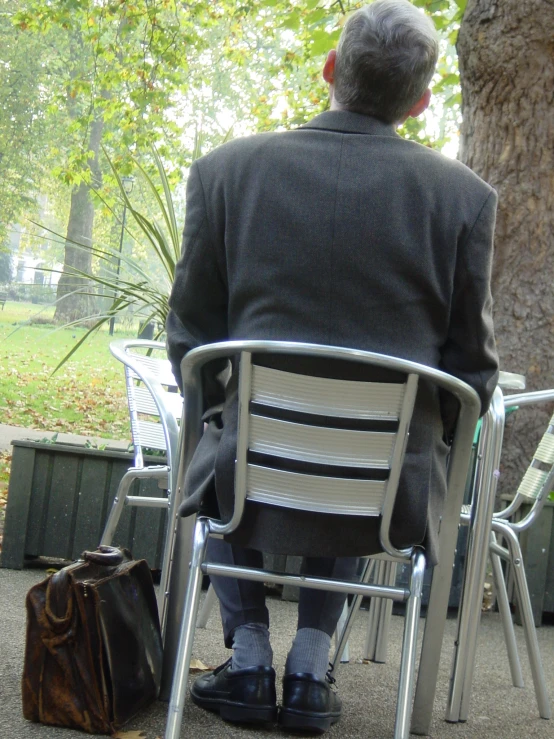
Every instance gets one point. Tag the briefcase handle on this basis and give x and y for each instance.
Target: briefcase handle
(108, 556)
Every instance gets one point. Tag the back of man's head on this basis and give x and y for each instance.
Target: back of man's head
(386, 57)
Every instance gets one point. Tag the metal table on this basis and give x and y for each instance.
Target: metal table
(486, 479)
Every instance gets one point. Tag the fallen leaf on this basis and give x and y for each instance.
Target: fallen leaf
(129, 735)
(197, 665)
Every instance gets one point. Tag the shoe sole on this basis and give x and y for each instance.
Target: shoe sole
(237, 713)
(316, 723)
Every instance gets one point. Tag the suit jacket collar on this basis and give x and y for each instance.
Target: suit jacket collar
(345, 121)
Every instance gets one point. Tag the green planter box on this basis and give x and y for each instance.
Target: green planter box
(59, 497)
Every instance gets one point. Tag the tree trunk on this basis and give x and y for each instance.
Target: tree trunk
(77, 303)
(506, 57)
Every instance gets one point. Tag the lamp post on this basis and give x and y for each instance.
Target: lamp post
(127, 182)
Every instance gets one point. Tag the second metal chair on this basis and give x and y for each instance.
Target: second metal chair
(155, 407)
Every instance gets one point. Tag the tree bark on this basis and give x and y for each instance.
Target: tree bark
(506, 58)
(77, 303)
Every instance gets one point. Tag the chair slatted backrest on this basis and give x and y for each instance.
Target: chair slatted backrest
(147, 427)
(321, 443)
(539, 475)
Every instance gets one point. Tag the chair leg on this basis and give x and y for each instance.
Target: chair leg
(507, 623)
(529, 630)
(121, 499)
(373, 616)
(344, 634)
(385, 613)
(345, 656)
(117, 507)
(209, 602)
(167, 560)
(186, 638)
(409, 645)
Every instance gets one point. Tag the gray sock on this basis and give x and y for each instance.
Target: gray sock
(251, 646)
(309, 653)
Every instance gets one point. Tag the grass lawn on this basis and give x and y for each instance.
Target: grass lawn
(86, 396)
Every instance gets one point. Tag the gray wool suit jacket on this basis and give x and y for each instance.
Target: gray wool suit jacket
(342, 233)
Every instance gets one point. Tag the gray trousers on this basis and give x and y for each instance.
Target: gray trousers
(243, 601)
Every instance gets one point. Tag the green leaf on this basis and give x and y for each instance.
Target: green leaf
(453, 36)
(321, 43)
(453, 100)
(292, 22)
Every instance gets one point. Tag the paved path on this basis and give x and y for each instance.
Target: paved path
(498, 711)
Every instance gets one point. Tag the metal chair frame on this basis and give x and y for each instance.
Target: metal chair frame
(247, 484)
(535, 486)
(383, 569)
(146, 380)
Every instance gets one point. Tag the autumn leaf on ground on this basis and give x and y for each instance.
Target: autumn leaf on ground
(129, 735)
(197, 665)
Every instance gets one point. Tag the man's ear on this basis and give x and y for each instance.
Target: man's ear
(329, 67)
(421, 105)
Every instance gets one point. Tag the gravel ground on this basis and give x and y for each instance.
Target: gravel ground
(498, 711)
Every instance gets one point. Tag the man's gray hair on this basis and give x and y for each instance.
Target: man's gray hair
(386, 57)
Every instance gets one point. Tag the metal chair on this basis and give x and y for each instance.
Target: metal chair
(534, 488)
(268, 399)
(537, 483)
(155, 407)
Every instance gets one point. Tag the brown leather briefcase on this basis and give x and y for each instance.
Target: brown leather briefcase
(93, 653)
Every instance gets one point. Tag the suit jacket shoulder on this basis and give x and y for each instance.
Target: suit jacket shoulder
(451, 169)
(241, 148)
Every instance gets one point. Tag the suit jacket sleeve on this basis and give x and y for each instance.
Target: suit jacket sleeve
(470, 351)
(198, 301)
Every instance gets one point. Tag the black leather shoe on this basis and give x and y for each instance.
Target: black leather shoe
(241, 696)
(309, 704)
